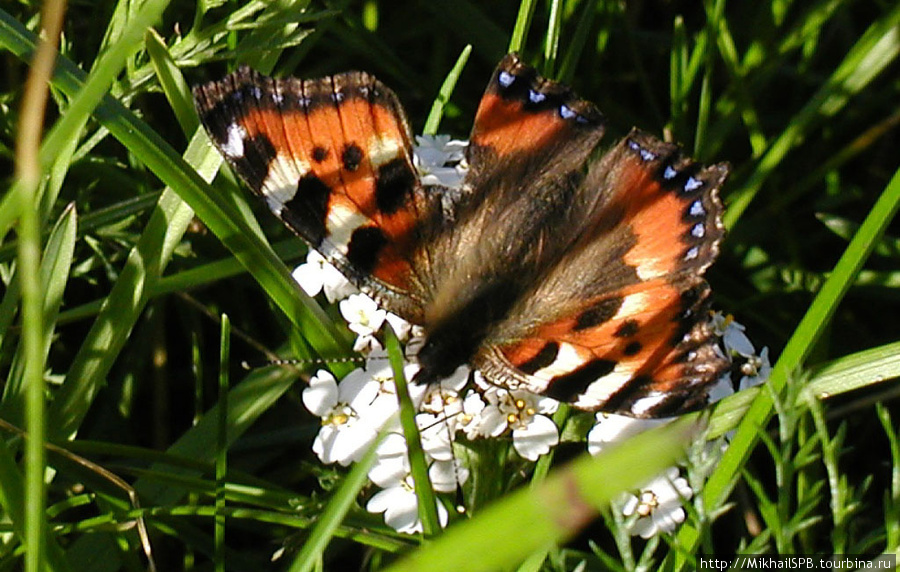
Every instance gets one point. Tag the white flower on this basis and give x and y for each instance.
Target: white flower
(364, 317)
(392, 464)
(469, 418)
(534, 434)
(354, 411)
(756, 370)
(612, 428)
(438, 150)
(439, 410)
(400, 506)
(440, 396)
(658, 505)
(398, 500)
(366, 344)
(348, 427)
(440, 161)
(401, 327)
(316, 274)
(732, 333)
(378, 367)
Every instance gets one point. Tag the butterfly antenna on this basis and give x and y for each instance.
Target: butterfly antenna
(294, 362)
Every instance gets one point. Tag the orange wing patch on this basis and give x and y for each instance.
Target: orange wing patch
(621, 348)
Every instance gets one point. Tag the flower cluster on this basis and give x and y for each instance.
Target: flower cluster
(354, 410)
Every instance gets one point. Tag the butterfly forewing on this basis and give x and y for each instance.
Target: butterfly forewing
(332, 158)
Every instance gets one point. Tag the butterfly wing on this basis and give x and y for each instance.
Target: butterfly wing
(332, 158)
(621, 323)
(590, 283)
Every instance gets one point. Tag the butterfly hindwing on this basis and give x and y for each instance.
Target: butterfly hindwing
(621, 323)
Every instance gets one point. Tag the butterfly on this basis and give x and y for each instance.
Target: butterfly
(554, 267)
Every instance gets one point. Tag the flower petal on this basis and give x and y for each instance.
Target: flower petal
(536, 438)
(322, 393)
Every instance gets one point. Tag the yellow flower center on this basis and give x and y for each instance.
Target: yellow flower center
(648, 502)
(340, 415)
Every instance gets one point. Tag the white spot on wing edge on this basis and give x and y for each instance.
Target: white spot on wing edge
(600, 390)
(234, 144)
(645, 404)
(280, 184)
(568, 359)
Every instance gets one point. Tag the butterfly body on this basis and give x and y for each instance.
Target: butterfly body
(553, 267)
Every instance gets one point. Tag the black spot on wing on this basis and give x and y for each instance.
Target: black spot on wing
(542, 359)
(352, 156)
(394, 183)
(307, 210)
(569, 386)
(633, 348)
(601, 312)
(253, 167)
(627, 329)
(365, 244)
(319, 154)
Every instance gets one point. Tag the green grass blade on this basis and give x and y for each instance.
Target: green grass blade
(437, 108)
(474, 24)
(32, 339)
(344, 498)
(247, 400)
(551, 39)
(112, 327)
(554, 510)
(222, 443)
(704, 107)
(872, 53)
(173, 85)
(54, 275)
(12, 500)
(892, 495)
(795, 352)
(863, 369)
(578, 43)
(431, 525)
(522, 26)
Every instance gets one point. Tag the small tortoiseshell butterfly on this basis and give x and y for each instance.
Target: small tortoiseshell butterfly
(554, 269)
